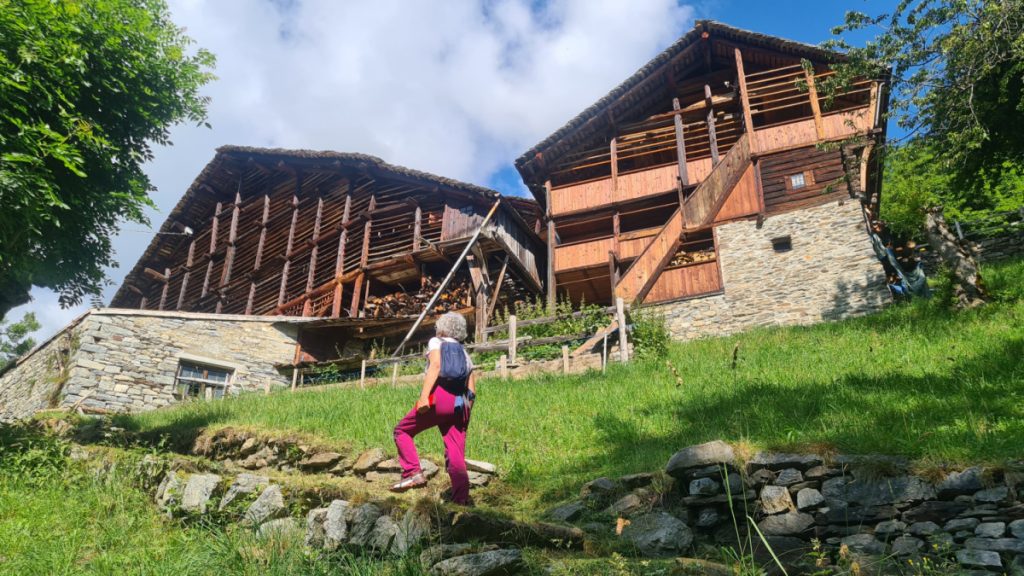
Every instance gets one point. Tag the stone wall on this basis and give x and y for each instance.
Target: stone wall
(126, 360)
(831, 272)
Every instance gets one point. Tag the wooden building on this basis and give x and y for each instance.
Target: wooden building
(336, 236)
(726, 125)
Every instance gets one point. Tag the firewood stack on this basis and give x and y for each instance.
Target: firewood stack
(695, 256)
(410, 304)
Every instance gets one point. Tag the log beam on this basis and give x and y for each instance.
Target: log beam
(812, 94)
(712, 137)
(288, 251)
(188, 273)
(748, 122)
(259, 253)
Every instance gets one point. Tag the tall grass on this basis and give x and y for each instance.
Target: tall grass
(915, 380)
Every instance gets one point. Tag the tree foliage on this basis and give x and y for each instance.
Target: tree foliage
(15, 339)
(955, 72)
(87, 87)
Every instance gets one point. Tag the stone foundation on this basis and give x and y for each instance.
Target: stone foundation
(127, 360)
(830, 272)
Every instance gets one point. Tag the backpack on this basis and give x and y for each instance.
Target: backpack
(454, 368)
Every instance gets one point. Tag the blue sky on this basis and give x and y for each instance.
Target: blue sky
(456, 87)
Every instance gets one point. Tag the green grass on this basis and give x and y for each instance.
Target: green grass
(914, 380)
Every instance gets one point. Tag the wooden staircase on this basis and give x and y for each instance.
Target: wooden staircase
(698, 210)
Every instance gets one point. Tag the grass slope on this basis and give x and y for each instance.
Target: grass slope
(915, 380)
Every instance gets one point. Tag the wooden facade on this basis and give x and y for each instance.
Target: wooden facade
(331, 235)
(724, 125)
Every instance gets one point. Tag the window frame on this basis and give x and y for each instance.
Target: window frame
(208, 387)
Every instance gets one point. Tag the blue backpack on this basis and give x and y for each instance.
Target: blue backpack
(454, 368)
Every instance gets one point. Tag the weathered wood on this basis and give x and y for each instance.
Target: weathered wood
(163, 291)
(614, 149)
(684, 180)
(188, 272)
(417, 231)
(503, 366)
(494, 296)
(357, 289)
(362, 374)
(620, 319)
(213, 227)
(565, 359)
(259, 253)
(603, 333)
(712, 137)
(288, 251)
(552, 241)
(968, 287)
(748, 123)
(512, 340)
(481, 292)
(812, 94)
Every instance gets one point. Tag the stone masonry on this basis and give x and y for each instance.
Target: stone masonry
(830, 273)
(127, 360)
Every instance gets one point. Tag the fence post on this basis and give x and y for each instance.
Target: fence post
(503, 366)
(604, 354)
(620, 317)
(512, 340)
(394, 374)
(362, 375)
(959, 230)
(295, 378)
(565, 359)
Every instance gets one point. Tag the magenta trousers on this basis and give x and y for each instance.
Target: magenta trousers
(452, 426)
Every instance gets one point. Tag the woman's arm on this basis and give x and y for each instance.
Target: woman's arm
(433, 370)
(472, 382)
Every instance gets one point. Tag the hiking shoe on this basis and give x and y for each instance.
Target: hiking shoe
(415, 481)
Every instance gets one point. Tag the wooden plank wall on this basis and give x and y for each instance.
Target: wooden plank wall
(685, 282)
(823, 174)
(743, 200)
(517, 241)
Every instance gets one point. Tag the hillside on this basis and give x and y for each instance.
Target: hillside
(915, 380)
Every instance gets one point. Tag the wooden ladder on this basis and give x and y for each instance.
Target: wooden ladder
(698, 210)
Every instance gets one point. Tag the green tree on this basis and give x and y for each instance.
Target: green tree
(15, 339)
(87, 87)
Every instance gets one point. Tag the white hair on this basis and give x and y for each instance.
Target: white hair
(451, 325)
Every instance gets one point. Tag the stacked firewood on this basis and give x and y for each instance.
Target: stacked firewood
(408, 304)
(695, 256)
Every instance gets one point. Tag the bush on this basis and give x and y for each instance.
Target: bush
(650, 334)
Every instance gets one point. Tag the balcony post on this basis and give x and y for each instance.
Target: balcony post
(712, 137)
(551, 240)
(812, 93)
(748, 123)
(614, 149)
(680, 145)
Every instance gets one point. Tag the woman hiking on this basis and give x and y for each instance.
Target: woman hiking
(446, 398)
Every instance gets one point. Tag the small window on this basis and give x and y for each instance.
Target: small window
(200, 382)
(782, 244)
(797, 181)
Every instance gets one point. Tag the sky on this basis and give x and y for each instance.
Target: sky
(459, 88)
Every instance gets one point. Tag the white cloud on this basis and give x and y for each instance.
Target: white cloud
(459, 87)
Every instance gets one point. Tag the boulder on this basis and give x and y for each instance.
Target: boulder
(385, 529)
(907, 546)
(481, 467)
(924, 528)
(780, 461)
(631, 503)
(368, 460)
(896, 490)
(168, 494)
(958, 524)
(704, 487)
(283, 528)
(269, 505)
(479, 479)
(776, 499)
(1012, 545)
(392, 465)
(440, 552)
(197, 493)
(414, 529)
(315, 528)
(935, 510)
(816, 472)
(658, 534)
(707, 518)
(890, 527)
(714, 452)
(979, 559)
(993, 495)
(429, 469)
(788, 524)
(808, 498)
(990, 530)
(320, 461)
(598, 488)
(864, 543)
(958, 483)
(361, 523)
(1017, 528)
(788, 477)
(567, 512)
(244, 483)
(336, 524)
(492, 563)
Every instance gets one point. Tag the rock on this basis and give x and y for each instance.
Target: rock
(808, 498)
(990, 529)
(890, 527)
(735, 483)
(1017, 528)
(249, 447)
(262, 458)
(481, 467)
(707, 517)
(361, 523)
(368, 460)
(895, 490)
(597, 488)
(269, 505)
(994, 495)
(634, 481)
(320, 461)
(315, 528)
(196, 495)
(414, 529)
(492, 563)
(658, 534)
(776, 499)
(979, 558)
(336, 524)
(567, 512)
(714, 452)
(788, 524)
(479, 479)
(392, 465)
(631, 503)
(935, 510)
(244, 483)
(428, 469)
(816, 472)
(382, 477)
(385, 529)
(1012, 545)
(168, 494)
(957, 524)
(283, 528)
(958, 483)
(941, 540)
(864, 543)
(435, 554)
(781, 461)
(792, 552)
(907, 546)
(924, 528)
(788, 477)
(704, 487)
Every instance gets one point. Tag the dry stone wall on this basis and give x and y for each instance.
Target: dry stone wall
(830, 272)
(127, 360)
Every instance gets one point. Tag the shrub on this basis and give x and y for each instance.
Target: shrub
(650, 334)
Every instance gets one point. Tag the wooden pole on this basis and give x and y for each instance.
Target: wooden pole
(282, 292)
(259, 253)
(295, 378)
(604, 354)
(167, 284)
(620, 317)
(565, 359)
(394, 374)
(496, 291)
(614, 149)
(362, 375)
(503, 366)
(552, 241)
(188, 273)
(748, 123)
(448, 278)
(684, 179)
(417, 231)
(812, 94)
(711, 125)
(512, 346)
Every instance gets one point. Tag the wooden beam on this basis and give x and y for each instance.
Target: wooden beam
(497, 289)
(163, 292)
(812, 94)
(748, 123)
(353, 310)
(316, 245)
(615, 164)
(478, 275)
(229, 258)
(288, 249)
(684, 179)
(417, 230)
(552, 241)
(188, 273)
(711, 125)
(213, 228)
(259, 252)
